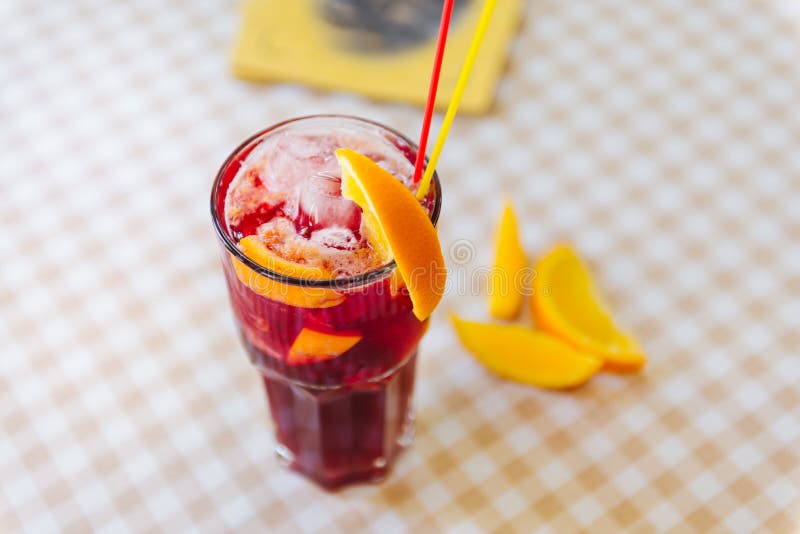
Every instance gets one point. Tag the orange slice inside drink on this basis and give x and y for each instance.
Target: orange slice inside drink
(294, 295)
(313, 345)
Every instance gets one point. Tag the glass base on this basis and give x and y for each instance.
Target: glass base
(376, 473)
(347, 434)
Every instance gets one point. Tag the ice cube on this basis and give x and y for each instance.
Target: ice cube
(401, 169)
(335, 237)
(294, 157)
(322, 206)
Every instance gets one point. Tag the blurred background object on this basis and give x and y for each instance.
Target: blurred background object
(386, 25)
(378, 48)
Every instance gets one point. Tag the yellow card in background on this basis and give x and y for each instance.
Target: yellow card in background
(380, 48)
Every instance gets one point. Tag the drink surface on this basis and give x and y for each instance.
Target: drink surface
(287, 193)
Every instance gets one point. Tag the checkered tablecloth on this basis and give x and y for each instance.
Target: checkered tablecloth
(661, 137)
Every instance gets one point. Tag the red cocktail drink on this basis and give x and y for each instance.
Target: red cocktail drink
(335, 341)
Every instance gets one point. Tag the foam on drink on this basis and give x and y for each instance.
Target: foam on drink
(287, 192)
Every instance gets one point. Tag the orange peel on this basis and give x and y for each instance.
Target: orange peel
(397, 226)
(525, 355)
(294, 295)
(565, 304)
(312, 345)
(505, 291)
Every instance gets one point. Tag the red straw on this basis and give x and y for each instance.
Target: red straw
(447, 8)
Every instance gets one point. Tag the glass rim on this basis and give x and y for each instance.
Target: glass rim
(333, 283)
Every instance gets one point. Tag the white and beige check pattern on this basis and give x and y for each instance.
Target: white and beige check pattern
(661, 137)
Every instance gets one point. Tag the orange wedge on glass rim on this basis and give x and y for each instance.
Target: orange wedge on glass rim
(565, 304)
(313, 345)
(506, 291)
(397, 226)
(300, 296)
(525, 355)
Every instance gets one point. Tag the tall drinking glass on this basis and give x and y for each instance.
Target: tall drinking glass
(345, 415)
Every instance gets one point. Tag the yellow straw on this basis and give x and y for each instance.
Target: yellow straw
(455, 100)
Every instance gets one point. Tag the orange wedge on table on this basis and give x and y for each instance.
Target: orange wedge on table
(397, 226)
(505, 291)
(294, 295)
(524, 355)
(313, 345)
(565, 304)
